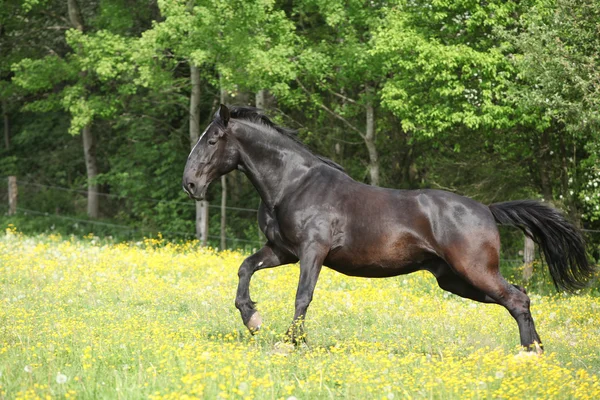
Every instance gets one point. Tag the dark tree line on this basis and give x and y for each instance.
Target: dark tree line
(496, 100)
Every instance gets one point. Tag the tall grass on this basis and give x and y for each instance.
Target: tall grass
(82, 318)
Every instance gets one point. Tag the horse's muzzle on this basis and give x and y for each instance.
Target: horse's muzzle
(195, 191)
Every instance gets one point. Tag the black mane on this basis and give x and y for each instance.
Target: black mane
(256, 115)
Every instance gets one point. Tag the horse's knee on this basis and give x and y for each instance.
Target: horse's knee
(247, 267)
(244, 271)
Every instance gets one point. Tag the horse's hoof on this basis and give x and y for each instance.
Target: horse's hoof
(534, 349)
(283, 348)
(254, 323)
(525, 353)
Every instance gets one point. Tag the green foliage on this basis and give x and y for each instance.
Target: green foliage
(496, 100)
(558, 91)
(447, 70)
(42, 74)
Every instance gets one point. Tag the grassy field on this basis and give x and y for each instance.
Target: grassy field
(83, 319)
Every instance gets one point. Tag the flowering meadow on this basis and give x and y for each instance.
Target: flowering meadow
(81, 318)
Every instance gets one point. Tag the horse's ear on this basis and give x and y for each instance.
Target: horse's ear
(223, 114)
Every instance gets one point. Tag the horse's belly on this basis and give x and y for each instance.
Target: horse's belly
(369, 264)
(374, 270)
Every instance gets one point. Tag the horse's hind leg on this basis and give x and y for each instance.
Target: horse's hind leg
(517, 303)
(450, 281)
(482, 281)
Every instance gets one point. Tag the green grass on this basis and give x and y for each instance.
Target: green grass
(156, 320)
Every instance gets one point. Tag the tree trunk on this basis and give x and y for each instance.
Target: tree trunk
(75, 15)
(89, 151)
(223, 192)
(201, 206)
(194, 105)
(370, 142)
(572, 210)
(260, 99)
(545, 179)
(6, 124)
(89, 143)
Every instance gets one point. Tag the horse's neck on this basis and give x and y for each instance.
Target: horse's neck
(272, 162)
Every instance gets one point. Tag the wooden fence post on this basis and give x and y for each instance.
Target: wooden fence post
(13, 193)
(223, 99)
(202, 221)
(528, 257)
(260, 234)
(223, 213)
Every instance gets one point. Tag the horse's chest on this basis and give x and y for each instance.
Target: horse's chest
(273, 232)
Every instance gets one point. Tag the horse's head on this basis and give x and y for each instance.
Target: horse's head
(214, 154)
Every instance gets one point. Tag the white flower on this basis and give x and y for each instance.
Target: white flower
(499, 375)
(28, 369)
(61, 378)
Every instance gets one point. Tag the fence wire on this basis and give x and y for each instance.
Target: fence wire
(127, 229)
(591, 234)
(119, 197)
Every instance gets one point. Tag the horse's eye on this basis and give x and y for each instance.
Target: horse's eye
(212, 141)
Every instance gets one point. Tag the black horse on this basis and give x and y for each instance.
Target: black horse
(313, 212)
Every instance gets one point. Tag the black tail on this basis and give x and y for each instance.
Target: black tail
(562, 243)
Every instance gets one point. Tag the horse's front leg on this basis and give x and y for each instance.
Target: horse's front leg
(267, 257)
(311, 262)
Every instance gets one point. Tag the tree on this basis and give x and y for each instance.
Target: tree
(446, 66)
(225, 44)
(557, 96)
(341, 78)
(25, 31)
(89, 81)
(89, 143)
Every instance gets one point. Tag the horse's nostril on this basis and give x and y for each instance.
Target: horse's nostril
(191, 187)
